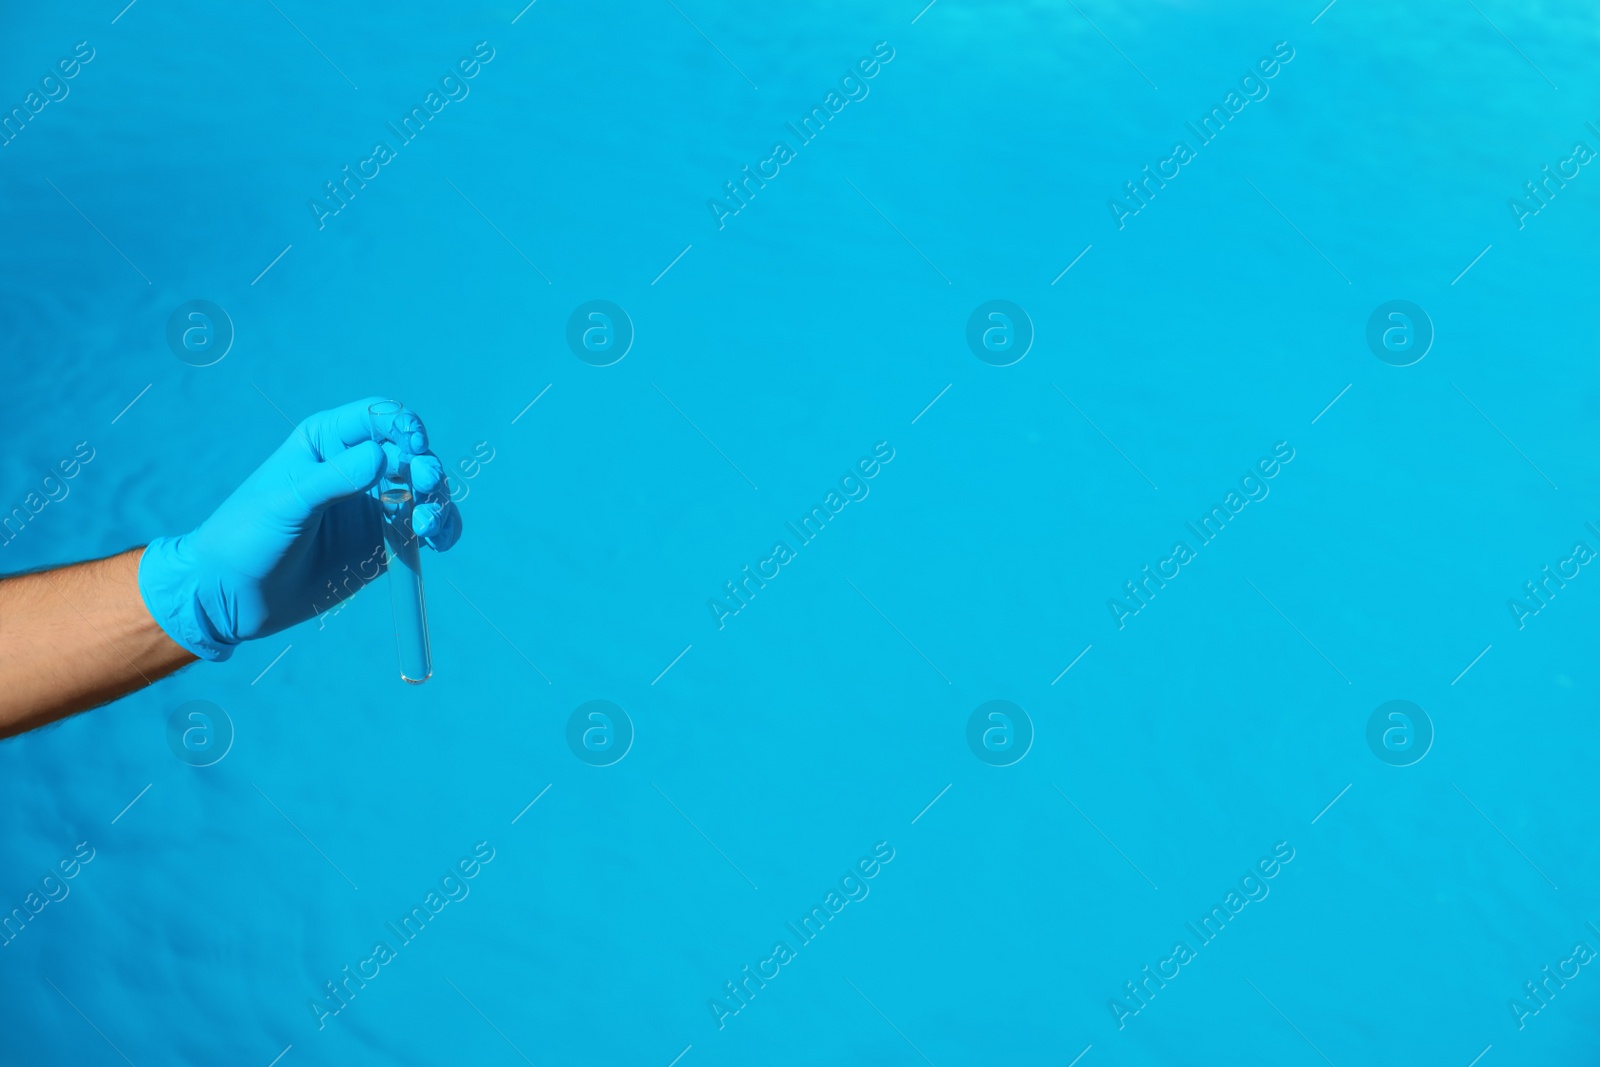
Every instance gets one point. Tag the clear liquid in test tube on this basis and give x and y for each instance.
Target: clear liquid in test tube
(398, 501)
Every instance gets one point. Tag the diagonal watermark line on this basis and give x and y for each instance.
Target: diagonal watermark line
(531, 803)
(490, 1021)
(273, 664)
(101, 232)
(1074, 263)
(1108, 440)
(499, 231)
(1108, 840)
(924, 11)
(899, 631)
(131, 803)
(1474, 263)
(302, 833)
(1324, 11)
(1332, 402)
(124, 11)
(501, 632)
(1508, 440)
(1479, 1056)
(313, 44)
(1071, 665)
(702, 433)
(1113, 44)
(931, 803)
(702, 833)
(932, 402)
(1508, 840)
(90, 1021)
(674, 263)
(1514, 47)
(680, 1055)
(1299, 231)
(892, 1026)
(1469, 666)
(280, 1056)
(523, 12)
(274, 263)
(1080, 1055)
(1331, 803)
(713, 44)
(669, 666)
(899, 231)
(1299, 631)
(132, 402)
(1292, 1026)
(530, 403)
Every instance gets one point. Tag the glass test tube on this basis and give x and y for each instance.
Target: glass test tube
(405, 558)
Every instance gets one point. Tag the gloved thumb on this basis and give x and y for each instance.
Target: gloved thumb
(353, 471)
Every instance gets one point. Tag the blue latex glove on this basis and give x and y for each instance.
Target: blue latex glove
(302, 533)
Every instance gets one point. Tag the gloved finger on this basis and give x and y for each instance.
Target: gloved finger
(439, 493)
(406, 430)
(400, 430)
(439, 525)
(350, 424)
(427, 475)
(347, 473)
(404, 440)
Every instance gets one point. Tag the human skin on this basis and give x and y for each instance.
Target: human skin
(75, 637)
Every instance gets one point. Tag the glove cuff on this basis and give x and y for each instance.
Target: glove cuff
(171, 588)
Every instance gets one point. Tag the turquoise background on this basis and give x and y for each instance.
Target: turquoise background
(826, 715)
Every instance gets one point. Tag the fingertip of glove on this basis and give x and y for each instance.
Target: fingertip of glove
(443, 528)
(427, 473)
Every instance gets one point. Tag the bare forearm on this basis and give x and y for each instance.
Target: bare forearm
(75, 637)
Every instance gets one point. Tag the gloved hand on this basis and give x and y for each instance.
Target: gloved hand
(302, 533)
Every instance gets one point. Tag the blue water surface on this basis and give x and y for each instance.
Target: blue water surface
(814, 764)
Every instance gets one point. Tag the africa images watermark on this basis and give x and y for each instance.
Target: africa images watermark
(853, 85)
(351, 584)
(455, 88)
(1538, 995)
(1253, 887)
(1254, 487)
(452, 888)
(852, 885)
(1537, 197)
(1139, 194)
(737, 597)
(380, 559)
(54, 491)
(54, 88)
(54, 889)
(1537, 595)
